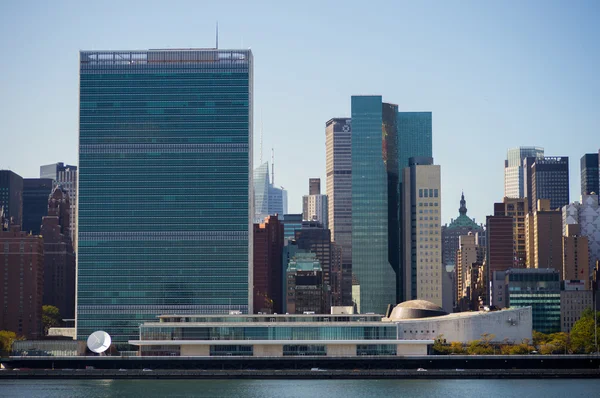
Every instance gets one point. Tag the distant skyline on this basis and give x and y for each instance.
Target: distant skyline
(495, 75)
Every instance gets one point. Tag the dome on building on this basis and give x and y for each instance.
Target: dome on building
(415, 309)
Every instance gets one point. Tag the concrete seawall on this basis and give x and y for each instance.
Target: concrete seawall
(301, 374)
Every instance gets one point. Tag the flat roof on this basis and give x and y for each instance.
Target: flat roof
(276, 342)
(265, 324)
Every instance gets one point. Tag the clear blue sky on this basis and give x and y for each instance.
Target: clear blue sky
(495, 74)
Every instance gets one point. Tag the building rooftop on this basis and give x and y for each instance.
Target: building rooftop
(463, 220)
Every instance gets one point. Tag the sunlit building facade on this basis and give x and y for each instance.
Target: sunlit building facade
(163, 135)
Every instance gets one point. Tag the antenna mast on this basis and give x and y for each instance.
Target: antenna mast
(261, 137)
(217, 36)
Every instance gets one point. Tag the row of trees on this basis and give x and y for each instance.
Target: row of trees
(581, 340)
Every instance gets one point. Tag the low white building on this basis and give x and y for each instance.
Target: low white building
(421, 320)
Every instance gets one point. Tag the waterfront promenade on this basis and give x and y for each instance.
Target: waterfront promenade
(301, 374)
(429, 367)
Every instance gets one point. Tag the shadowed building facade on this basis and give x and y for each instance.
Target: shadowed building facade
(338, 138)
(36, 192)
(590, 174)
(11, 196)
(268, 247)
(165, 177)
(65, 175)
(21, 282)
(59, 256)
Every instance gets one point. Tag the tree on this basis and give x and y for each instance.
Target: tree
(440, 346)
(6, 341)
(582, 333)
(540, 338)
(50, 317)
(457, 348)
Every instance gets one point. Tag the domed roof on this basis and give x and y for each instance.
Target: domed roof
(420, 305)
(415, 309)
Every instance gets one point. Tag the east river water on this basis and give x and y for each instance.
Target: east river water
(495, 388)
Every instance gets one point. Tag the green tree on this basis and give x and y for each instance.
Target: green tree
(6, 341)
(582, 333)
(457, 347)
(540, 338)
(50, 317)
(440, 346)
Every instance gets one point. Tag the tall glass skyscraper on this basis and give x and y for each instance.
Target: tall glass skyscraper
(383, 141)
(370, 263)
(165, 177)
(268, 199)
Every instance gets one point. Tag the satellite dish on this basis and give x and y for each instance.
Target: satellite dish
(98, 342)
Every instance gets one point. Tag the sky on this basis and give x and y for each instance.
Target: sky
(495, 75)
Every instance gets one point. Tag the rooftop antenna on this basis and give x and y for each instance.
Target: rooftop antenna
(217, 36)
(261, 137)
(272, 166)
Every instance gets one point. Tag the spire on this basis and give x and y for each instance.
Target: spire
(463, 205)
(272, 166)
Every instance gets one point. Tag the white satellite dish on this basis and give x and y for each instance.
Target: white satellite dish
(98, 342)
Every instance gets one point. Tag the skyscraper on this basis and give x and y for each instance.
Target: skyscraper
(370, 229)
(547, 178)
(165, 174)
(422, 230)
(414, 136)
(66, 177)
(36, 192)
(314, 186)
(11, 196)
(575, 256)
(261, 192)
(543, 233)
(517, 208)
(314, 205)
(267, 275)
(514, 185)
(590, 173)
(268, 199)
(21, 282)
(499, 257)
(59, 256)
(338, 133)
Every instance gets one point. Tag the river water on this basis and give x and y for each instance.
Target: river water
(497, 388)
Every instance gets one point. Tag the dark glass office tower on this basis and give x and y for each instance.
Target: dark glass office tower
(11, 196)
(36, 192)
(547, 178)
(590, 176)
(165, 177)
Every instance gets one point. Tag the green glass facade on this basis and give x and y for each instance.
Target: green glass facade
(540, 290)
(383, 141)
(370, 262)
(414, 137)
(165, 177)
